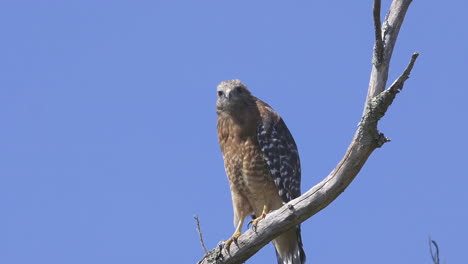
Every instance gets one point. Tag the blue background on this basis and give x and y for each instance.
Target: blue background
(108, 140)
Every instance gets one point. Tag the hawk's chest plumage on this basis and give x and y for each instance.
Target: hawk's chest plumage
(243, 159)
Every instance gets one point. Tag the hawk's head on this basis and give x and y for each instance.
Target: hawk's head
(232, 95)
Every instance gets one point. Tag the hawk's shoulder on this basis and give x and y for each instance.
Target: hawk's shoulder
(268, 116)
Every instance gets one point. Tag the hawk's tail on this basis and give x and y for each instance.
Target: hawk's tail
(288, 247)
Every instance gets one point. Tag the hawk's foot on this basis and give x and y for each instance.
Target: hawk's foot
(255, 221)
(233, 238)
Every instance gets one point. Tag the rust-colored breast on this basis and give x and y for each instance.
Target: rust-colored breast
(244, 162)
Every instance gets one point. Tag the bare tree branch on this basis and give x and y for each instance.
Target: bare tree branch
(200, 235)
(366, 139)
(434, 254)
(391, 28)
(398, 83)
(378, 47)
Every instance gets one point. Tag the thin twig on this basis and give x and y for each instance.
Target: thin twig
(434, 255)
(200, 234)
(379, 48)
(398, 83)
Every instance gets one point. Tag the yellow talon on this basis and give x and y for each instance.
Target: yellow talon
(234, 237)
(255, 221)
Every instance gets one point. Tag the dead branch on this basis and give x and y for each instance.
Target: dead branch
(366, 139)
(389, 33)
(434, 254)
(378, 48)
(200, 235)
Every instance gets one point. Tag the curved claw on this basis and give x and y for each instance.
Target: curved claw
(233, 238)
(255, 221)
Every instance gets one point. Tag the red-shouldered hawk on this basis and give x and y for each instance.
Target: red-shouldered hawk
(261, 162)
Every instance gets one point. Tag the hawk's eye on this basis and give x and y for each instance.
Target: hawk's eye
(220, 93)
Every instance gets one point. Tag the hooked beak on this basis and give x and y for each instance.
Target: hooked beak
(228, 94)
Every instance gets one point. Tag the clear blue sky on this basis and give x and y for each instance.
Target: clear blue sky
(108, 128)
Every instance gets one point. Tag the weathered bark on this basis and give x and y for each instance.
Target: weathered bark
(383, 48)
(366, 139)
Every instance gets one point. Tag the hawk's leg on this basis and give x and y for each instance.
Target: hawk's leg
(255, 221)
(236, 234)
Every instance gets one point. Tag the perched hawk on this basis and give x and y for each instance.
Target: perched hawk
(261, 162)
